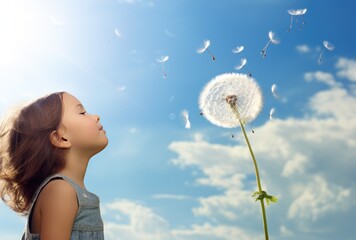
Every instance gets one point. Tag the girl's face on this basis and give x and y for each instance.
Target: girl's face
(81, 129)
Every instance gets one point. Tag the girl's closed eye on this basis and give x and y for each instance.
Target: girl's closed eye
(83, 113)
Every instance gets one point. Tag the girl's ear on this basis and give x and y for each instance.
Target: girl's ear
(59, 141)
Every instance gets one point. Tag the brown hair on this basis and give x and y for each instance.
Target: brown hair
(27, 156)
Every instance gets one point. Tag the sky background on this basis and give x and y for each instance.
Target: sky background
(156, 179)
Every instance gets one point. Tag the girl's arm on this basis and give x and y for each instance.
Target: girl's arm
(58, 208)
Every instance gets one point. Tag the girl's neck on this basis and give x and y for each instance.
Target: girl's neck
(75, 169)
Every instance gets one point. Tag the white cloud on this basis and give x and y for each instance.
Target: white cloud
(295, 165)
(317, 198)
(303, 48)
(142, 222)
(285, 232)
(210, 232)
(133, 221)
(347, 68)
(320, 76)
(170, 196)
(337, 103)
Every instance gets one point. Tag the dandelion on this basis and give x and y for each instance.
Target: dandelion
(238, 49)
(205, 47)
(242, 64)
(328, 46)
(231, 100)
(272, 39)
(162, 60)
(296, 13)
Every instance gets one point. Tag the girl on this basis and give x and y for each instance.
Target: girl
(44, 154)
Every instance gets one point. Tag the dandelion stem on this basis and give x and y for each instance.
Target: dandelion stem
(264, 217)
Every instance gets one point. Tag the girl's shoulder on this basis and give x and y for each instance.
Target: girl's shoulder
(56, 191)
(56, 203)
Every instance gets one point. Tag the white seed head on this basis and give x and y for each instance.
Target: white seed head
(162, 59)
(272, 37)
(297, 12)
(328, 45)
(242, 64)
(271, 113)
(185, 115)
(206, 45)
(229, 89)
(238, 49)
(274, 90)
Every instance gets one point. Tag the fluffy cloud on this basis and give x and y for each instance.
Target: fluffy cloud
(133, 221)
(317, 198)
(347, 68)
(320, 76)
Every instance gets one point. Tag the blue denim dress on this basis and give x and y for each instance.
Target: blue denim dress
(87, 224)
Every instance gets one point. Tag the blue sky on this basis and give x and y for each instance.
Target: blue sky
(158, 180)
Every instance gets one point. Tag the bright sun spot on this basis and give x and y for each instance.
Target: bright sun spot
(20, 25)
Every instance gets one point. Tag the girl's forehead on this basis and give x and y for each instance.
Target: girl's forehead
(69, 100)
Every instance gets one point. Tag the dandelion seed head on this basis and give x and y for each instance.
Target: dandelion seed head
(297, 12)
(272, 37)
(205, 46)
(274, 90)
(328, 45)
(118, 33)
(240, 90)
(271, 113)
(238, 49)
(185, 115)
(242, 64)
(162, 59)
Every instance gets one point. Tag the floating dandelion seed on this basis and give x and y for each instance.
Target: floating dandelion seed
(238, 49)
(272, 39)
(185, 115)
(328, 46)
(274, 90)
(243, 102)
(296, 13)
(271, 113)
(205, 47)
(162, 60)
(242, 64)
(117, 33)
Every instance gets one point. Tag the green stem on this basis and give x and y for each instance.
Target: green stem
(264, 218)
